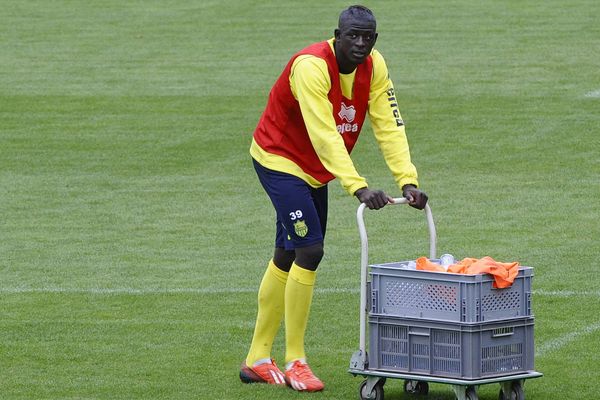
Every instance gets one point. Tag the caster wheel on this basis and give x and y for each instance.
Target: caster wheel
(516, 392)
(416, 387)
(471, 394)
(375, 394)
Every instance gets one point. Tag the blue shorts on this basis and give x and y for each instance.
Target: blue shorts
(301, 209)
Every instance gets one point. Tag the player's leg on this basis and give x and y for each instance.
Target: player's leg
(307, 258)
(258, 363)
(259, 366)
(271, 297)
(299, 216)
(300, 287)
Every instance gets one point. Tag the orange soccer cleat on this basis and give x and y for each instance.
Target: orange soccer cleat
(300, 377)
(267, 372)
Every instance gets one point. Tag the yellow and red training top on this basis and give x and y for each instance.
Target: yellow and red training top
(314, 115)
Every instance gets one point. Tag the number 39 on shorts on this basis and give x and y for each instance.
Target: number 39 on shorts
(294, 215)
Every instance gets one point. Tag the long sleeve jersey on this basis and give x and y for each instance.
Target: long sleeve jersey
(311, 82)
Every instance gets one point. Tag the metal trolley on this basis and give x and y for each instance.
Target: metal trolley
(509, 325)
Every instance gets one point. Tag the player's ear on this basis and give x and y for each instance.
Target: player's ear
(336, 34)
(375, 38)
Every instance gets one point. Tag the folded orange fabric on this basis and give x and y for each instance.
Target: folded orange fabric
(504, 273)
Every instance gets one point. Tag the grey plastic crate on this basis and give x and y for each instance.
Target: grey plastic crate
(400, 292)
(451, 350)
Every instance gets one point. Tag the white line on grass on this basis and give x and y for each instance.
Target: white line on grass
(593, 93)
(125, 290)
(134, 291)
(567, 293)
(562, 341)
(234, 290)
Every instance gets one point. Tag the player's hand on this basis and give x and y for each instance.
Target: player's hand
(415, 197)
(374, 199)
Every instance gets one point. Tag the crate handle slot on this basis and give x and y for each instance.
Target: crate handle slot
(502, 332)
(419, 334)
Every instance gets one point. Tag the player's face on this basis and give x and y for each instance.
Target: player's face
(354, 40)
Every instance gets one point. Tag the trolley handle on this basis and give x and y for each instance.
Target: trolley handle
(397, 201)
(364, 264)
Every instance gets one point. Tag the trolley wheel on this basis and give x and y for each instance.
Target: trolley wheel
(471, 393)
(375, 394)
(416, 387)
(516, 392)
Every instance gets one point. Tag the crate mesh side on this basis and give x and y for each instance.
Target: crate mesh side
(502, 359)
(393, 344)
(420, 357)
(501, 300)
(424, 296)
(446, 352)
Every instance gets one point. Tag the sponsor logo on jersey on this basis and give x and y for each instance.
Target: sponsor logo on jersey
(394, 106)
(347, 114)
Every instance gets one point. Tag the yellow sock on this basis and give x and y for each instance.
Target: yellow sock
(271, 295)
(298, 298)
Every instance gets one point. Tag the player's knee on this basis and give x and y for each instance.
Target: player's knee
(283, 259)
(309, 257)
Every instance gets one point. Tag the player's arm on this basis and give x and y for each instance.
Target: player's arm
(388, 128)
(310, 83)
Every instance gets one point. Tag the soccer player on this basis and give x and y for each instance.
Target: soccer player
(303, 140)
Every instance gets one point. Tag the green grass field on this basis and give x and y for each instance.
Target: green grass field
(134, 234)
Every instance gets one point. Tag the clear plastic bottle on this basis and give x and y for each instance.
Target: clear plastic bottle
(411, 265)
(446, 260)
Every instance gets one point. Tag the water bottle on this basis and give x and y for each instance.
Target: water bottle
(446, 260)
(410, 265)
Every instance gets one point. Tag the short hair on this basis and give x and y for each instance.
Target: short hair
(356, 11)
